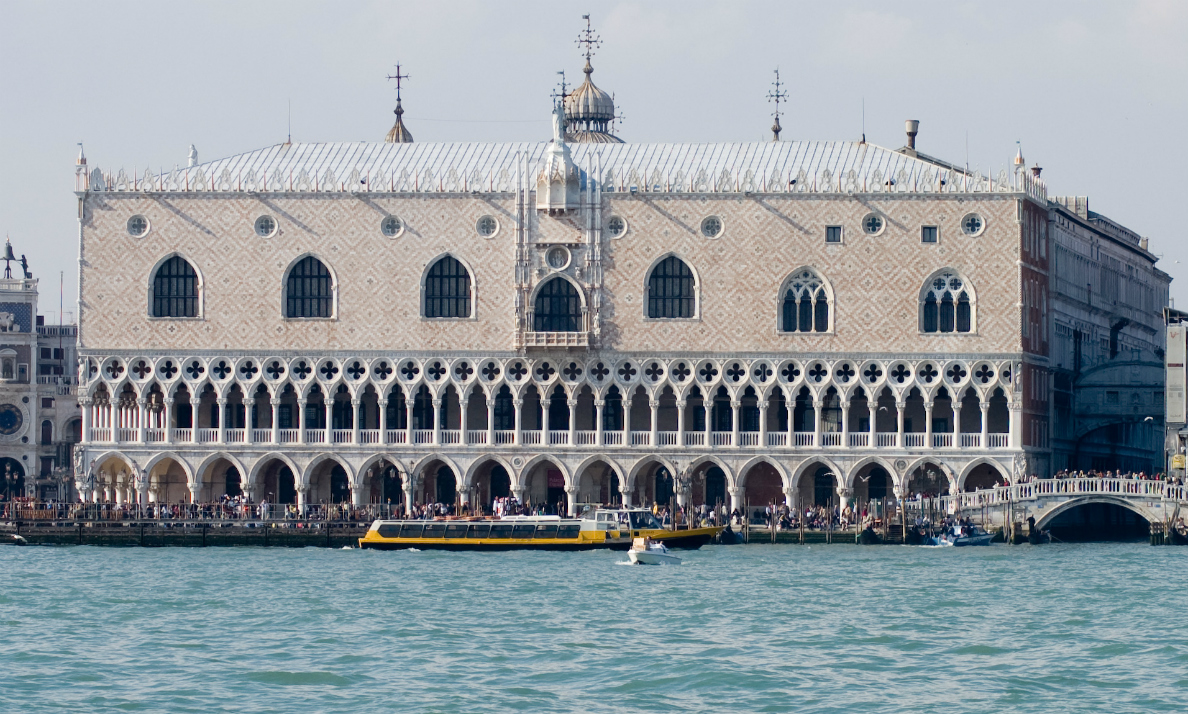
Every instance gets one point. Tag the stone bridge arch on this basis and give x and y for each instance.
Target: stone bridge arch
(1133, 506)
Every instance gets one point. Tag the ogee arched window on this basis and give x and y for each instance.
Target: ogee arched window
(672, 290)
(309, 290)
(175, 289)
(946, 304)
(558, 308)
(805, 303)
(447, 289)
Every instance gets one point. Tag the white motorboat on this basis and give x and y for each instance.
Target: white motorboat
(645, 551)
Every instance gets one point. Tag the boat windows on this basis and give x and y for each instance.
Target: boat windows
(524, 531)
(456, 530)
(410, 530)
(569, 531)
(434, 530)
(644, 519)
(546, 531)
(501, 530)
(479, 530)
(389, 530)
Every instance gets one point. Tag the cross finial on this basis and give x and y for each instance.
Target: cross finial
(589, 39)
(559, 97)
(398, 76)
(777, 95)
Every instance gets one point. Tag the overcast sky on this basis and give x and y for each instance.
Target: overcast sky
(1095, 91)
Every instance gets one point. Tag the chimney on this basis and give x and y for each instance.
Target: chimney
(913, 128)
(1036, 171)
(1143, 243)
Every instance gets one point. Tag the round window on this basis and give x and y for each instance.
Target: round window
(972, 224)
(392, 226)
(137, 226)
(873, 224)
(487, 226)
(557, 257)
(616, 226)
(711, 226)
(265, 226)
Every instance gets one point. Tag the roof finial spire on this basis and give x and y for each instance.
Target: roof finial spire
(590, 40)
(777, 96)
(559, 97)
(398, 134)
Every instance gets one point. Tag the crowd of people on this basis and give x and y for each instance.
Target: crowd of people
(1127, 475)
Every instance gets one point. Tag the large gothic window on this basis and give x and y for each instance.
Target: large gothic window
(175, 289)
(806, 303)
(946, 304)
(558, 308)
(671, 290)
(447, 289)
(309, 290)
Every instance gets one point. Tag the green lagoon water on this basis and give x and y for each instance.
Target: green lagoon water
(1061, 628)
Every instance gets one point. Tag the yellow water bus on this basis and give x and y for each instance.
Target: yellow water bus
(610, 529)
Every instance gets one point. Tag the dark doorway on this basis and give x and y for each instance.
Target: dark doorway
(715, 487)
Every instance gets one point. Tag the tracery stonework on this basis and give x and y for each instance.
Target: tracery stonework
(604, 392)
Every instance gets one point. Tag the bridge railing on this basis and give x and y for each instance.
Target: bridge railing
(1046, 488)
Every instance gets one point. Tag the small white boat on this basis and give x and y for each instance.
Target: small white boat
(645, 551)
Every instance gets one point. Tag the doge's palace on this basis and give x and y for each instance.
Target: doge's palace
(574, 320)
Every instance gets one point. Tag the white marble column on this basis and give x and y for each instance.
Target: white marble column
(817, 405)
(599, 404)
(518, 437)
(928, 425)
(301, 402)
(355, 420)
(654, 405)
(221, 438)
(681, 424)
(900, 409)
(985, 407)
(382, 420)
(573, 403)
(167, 419)
(490, 422)
(142, 414)
(195, 414)
(735, 414)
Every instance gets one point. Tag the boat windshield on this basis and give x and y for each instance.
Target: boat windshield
(644, 519)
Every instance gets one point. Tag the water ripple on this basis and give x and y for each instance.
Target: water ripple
(1071, 628)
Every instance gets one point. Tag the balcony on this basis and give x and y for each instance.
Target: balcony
(557, 339)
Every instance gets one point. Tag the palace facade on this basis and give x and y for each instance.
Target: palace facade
(580, 320)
